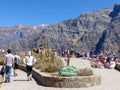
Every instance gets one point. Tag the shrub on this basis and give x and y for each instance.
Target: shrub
(47, 62)
(50, 66)
(1, 57)
(85, 72)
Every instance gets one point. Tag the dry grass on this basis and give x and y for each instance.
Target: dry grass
(47, 63)
(2, 57)
(85, 72)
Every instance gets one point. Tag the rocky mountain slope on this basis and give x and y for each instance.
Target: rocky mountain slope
(93, 31)
(111, 36)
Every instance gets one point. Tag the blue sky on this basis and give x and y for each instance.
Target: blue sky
(37, 12)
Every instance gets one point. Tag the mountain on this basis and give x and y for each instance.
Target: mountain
(10, 34)
(111, 36)
(92, 31)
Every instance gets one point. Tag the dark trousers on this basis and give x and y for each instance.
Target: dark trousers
(29, 70)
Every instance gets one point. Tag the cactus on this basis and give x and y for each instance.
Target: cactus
(68, 62)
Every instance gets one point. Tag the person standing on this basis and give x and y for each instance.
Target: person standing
(8, 63)
(17, 60)
(29, 60)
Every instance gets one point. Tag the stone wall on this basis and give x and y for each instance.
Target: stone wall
(65, 82)
(117, 66)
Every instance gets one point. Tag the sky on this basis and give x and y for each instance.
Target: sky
(38, 12)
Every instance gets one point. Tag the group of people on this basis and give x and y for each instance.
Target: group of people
(105, 61)
(12, 61)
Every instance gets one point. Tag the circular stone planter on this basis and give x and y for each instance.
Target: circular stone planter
(65, 82)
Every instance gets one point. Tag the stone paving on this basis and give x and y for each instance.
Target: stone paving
(110, 79)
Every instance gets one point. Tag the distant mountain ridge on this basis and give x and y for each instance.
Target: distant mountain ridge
(93, 31)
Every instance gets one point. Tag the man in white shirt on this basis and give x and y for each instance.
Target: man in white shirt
(9, 63)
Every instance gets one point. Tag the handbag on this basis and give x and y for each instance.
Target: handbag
(2, 72)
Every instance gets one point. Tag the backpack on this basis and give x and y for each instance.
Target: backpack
(15, 59)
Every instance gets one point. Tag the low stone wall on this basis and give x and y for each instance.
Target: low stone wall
(117, 66)
(65, 82)
(1, 77)
(1, 81)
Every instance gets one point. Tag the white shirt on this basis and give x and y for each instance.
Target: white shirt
(112, 64)
(29, 60)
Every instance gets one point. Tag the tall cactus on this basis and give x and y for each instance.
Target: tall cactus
(68, 62)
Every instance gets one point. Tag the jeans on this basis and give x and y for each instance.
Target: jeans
(8, 73)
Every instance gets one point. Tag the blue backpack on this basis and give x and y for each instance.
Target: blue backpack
(15, 59)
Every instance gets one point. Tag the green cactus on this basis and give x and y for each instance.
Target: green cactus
(68, 62)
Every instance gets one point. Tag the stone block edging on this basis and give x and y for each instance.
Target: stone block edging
(117, 67)
(65, 82)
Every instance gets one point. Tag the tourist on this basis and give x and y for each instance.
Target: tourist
(115, 59)
(8, 63)
(16, 63)
(29, 60)
(112, 64)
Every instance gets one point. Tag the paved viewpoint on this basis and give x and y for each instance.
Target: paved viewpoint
(110, 79)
